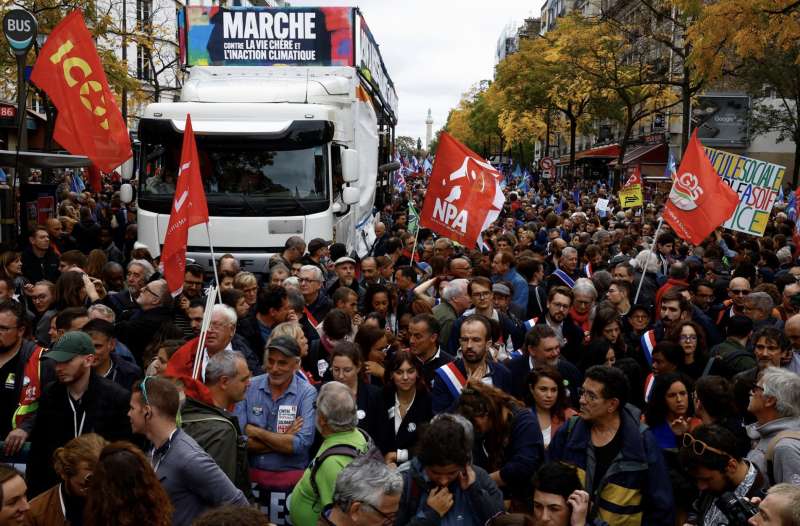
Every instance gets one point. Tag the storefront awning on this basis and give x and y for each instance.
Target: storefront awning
(8, 158)
(645, 153)
(610, 151)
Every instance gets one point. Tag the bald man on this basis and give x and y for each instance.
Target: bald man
(738, 290)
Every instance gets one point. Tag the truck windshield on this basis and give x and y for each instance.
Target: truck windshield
(242, 174)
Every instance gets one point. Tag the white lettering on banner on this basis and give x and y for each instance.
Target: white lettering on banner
(448, 214)
(261, 25)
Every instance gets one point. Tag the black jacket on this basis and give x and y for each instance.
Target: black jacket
(520, 367)
(406, 437)
(139, 331)
(37, 269)
(106, 413)
(123, 373)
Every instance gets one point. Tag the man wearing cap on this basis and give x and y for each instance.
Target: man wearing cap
(501, 297)
(80, 402)
(277, 415)
(318, 254)
(345, 268)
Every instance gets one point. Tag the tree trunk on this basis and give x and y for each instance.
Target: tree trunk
(547, 137)
(573, 128)
(686, 108)
(796, 167)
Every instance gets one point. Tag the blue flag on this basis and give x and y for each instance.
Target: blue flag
(517, 171)
(576, 196)
(560, 206)
(791, 207)
(76, 185)
(671, 170)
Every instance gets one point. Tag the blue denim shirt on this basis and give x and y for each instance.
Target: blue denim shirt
(520, 297)
(260, 410)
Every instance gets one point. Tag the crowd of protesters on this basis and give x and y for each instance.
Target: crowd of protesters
(586, 367)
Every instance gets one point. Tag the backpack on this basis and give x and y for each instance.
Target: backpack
(773, 443)
(372, 452)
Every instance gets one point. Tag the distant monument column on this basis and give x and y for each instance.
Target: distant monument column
(428, 130)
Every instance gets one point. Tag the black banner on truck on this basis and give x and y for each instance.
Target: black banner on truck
(216, 36)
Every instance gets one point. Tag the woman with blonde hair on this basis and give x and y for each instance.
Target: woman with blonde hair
(125, 490)
(65, 502)
(248, 284)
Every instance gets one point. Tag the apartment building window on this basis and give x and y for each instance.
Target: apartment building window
(142, 63)
(144, 14)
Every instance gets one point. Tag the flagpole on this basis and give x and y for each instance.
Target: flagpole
(213, 262)
(201, 341)
(650, 250)
(414, 250)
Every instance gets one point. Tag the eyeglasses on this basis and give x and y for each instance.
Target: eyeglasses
(562, 306)
(590, 396)
(307, 280)
(157, 296)
(739, 292)
(699, 447)
(40, 297)
(388, 518)
(756, 388)
(688, 337)
(482, 295)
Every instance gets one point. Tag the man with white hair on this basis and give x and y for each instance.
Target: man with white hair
(567, 272)
(647, 264)
(455, 300)
(775, 402)
(367, 493)
(336, 421)
(124, 302)
(317, 303)
(220, 333)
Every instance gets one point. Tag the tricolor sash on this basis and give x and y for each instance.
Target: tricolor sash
(648, 344)
(563, 276)
(452, 377)
(587, 269)
(530, 323)
(648, 386)
(310, 317)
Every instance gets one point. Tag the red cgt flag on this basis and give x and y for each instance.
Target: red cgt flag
(699, 200)
(464, 195)
(69, 71)
(189, 208)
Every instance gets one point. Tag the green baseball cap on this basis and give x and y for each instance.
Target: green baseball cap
(69, 346)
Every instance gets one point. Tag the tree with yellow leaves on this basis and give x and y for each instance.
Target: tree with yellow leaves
(757, 47)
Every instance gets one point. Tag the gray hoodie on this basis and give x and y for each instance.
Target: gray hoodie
(786, 461)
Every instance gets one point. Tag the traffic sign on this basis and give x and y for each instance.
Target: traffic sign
(548, 167)
(19, 27)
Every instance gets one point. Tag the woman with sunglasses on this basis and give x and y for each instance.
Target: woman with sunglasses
(64, 503)
(407, 407)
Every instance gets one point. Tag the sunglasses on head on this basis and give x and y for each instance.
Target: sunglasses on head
(699, 447)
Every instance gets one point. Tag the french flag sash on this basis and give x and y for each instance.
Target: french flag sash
(648, 386)
(452, 377)
(530, 323)
(587, 269)
(563, 276)
(648, 344)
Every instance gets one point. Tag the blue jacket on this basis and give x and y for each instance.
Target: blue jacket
(443, 397)
(636, 488)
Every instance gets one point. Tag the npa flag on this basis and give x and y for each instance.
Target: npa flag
(699, 200)
(189, 208)
(464, 195)
(89, 122)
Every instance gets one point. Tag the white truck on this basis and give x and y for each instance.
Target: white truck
(293, 113)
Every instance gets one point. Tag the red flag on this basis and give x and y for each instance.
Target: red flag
(634, 176)
(464, 195)
(89, 121)
(699, 200)
(189, 208)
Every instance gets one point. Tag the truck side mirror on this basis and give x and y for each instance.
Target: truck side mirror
(350, 166)
(126, 170)
(126, 193)
(350, 195)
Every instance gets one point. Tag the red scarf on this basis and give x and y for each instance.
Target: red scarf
(581, 321)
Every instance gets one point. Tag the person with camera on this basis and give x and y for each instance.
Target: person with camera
(725, 480)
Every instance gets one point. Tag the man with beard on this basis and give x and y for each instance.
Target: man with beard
(772, 350)
(480, 291)
(80, 402)
(345, 268)
(675, 308)
(604, 442)
(709, 456)
(475, 364)
(570, 336)
(542, 348)
(124, 302)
